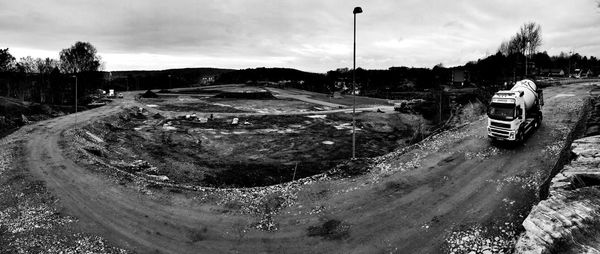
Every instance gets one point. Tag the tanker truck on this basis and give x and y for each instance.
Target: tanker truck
(514, 113)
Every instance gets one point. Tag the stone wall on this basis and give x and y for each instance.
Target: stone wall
(568, 221)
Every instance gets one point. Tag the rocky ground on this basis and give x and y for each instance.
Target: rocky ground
(30, 222)
(259, 151)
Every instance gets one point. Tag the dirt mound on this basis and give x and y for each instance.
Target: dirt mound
(467, 113)
(246, 95)
(149, 94)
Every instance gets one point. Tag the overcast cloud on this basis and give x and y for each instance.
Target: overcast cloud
(312, 35)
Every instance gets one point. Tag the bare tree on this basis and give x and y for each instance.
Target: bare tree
(531, 40)
(526, 41)
(531, 32)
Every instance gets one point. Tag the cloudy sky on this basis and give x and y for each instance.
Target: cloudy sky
(311, 35)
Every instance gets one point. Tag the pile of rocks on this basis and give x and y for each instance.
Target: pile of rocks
(573, 207)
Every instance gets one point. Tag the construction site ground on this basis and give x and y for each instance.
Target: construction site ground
(452, 192)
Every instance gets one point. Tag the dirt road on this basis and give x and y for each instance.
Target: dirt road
(453, 186)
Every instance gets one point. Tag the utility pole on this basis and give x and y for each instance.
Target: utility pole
(75, 93)
(355, 11)
(441, 101)
(75, 99)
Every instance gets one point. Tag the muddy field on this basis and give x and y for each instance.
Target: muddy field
(227, 105)
(258, 151)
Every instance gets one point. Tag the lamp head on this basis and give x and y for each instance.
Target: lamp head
(357, 10)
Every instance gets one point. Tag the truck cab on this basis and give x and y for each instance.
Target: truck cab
(515, 113)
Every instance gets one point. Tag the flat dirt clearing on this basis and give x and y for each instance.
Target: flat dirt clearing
(259, 151)
(446, 193)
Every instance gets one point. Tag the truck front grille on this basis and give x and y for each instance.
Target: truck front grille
(501, 125)
(499, 133)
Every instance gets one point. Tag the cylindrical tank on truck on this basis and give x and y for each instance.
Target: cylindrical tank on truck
(515, 113)
(528, 88)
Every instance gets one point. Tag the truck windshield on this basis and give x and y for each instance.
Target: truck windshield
(502, 111)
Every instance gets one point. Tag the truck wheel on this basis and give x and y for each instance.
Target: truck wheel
(519, 137)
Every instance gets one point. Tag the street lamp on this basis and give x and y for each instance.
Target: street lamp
(355, 11)
(570, 56)
(75, 92)
(170, 85)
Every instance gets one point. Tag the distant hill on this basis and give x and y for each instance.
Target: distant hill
(300, 79)
(121, 80)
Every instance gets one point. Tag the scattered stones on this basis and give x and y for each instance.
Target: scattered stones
(30, 224)
(477, 239)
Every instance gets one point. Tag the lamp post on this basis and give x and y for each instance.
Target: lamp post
(356, 10)
(75, 92)
(570, 55)
(170, 85)
(526, 46)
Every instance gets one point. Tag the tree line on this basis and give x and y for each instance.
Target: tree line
(49, 80)
(52, 80)
(516, 58)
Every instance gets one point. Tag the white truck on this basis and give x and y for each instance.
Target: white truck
(514, 113)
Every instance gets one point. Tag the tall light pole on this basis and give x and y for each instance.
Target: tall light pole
(570, 55)
(357, 10)
(526, 46)
(75, 93)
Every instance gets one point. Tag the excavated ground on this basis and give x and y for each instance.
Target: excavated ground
(201, 104)
(261, 150)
